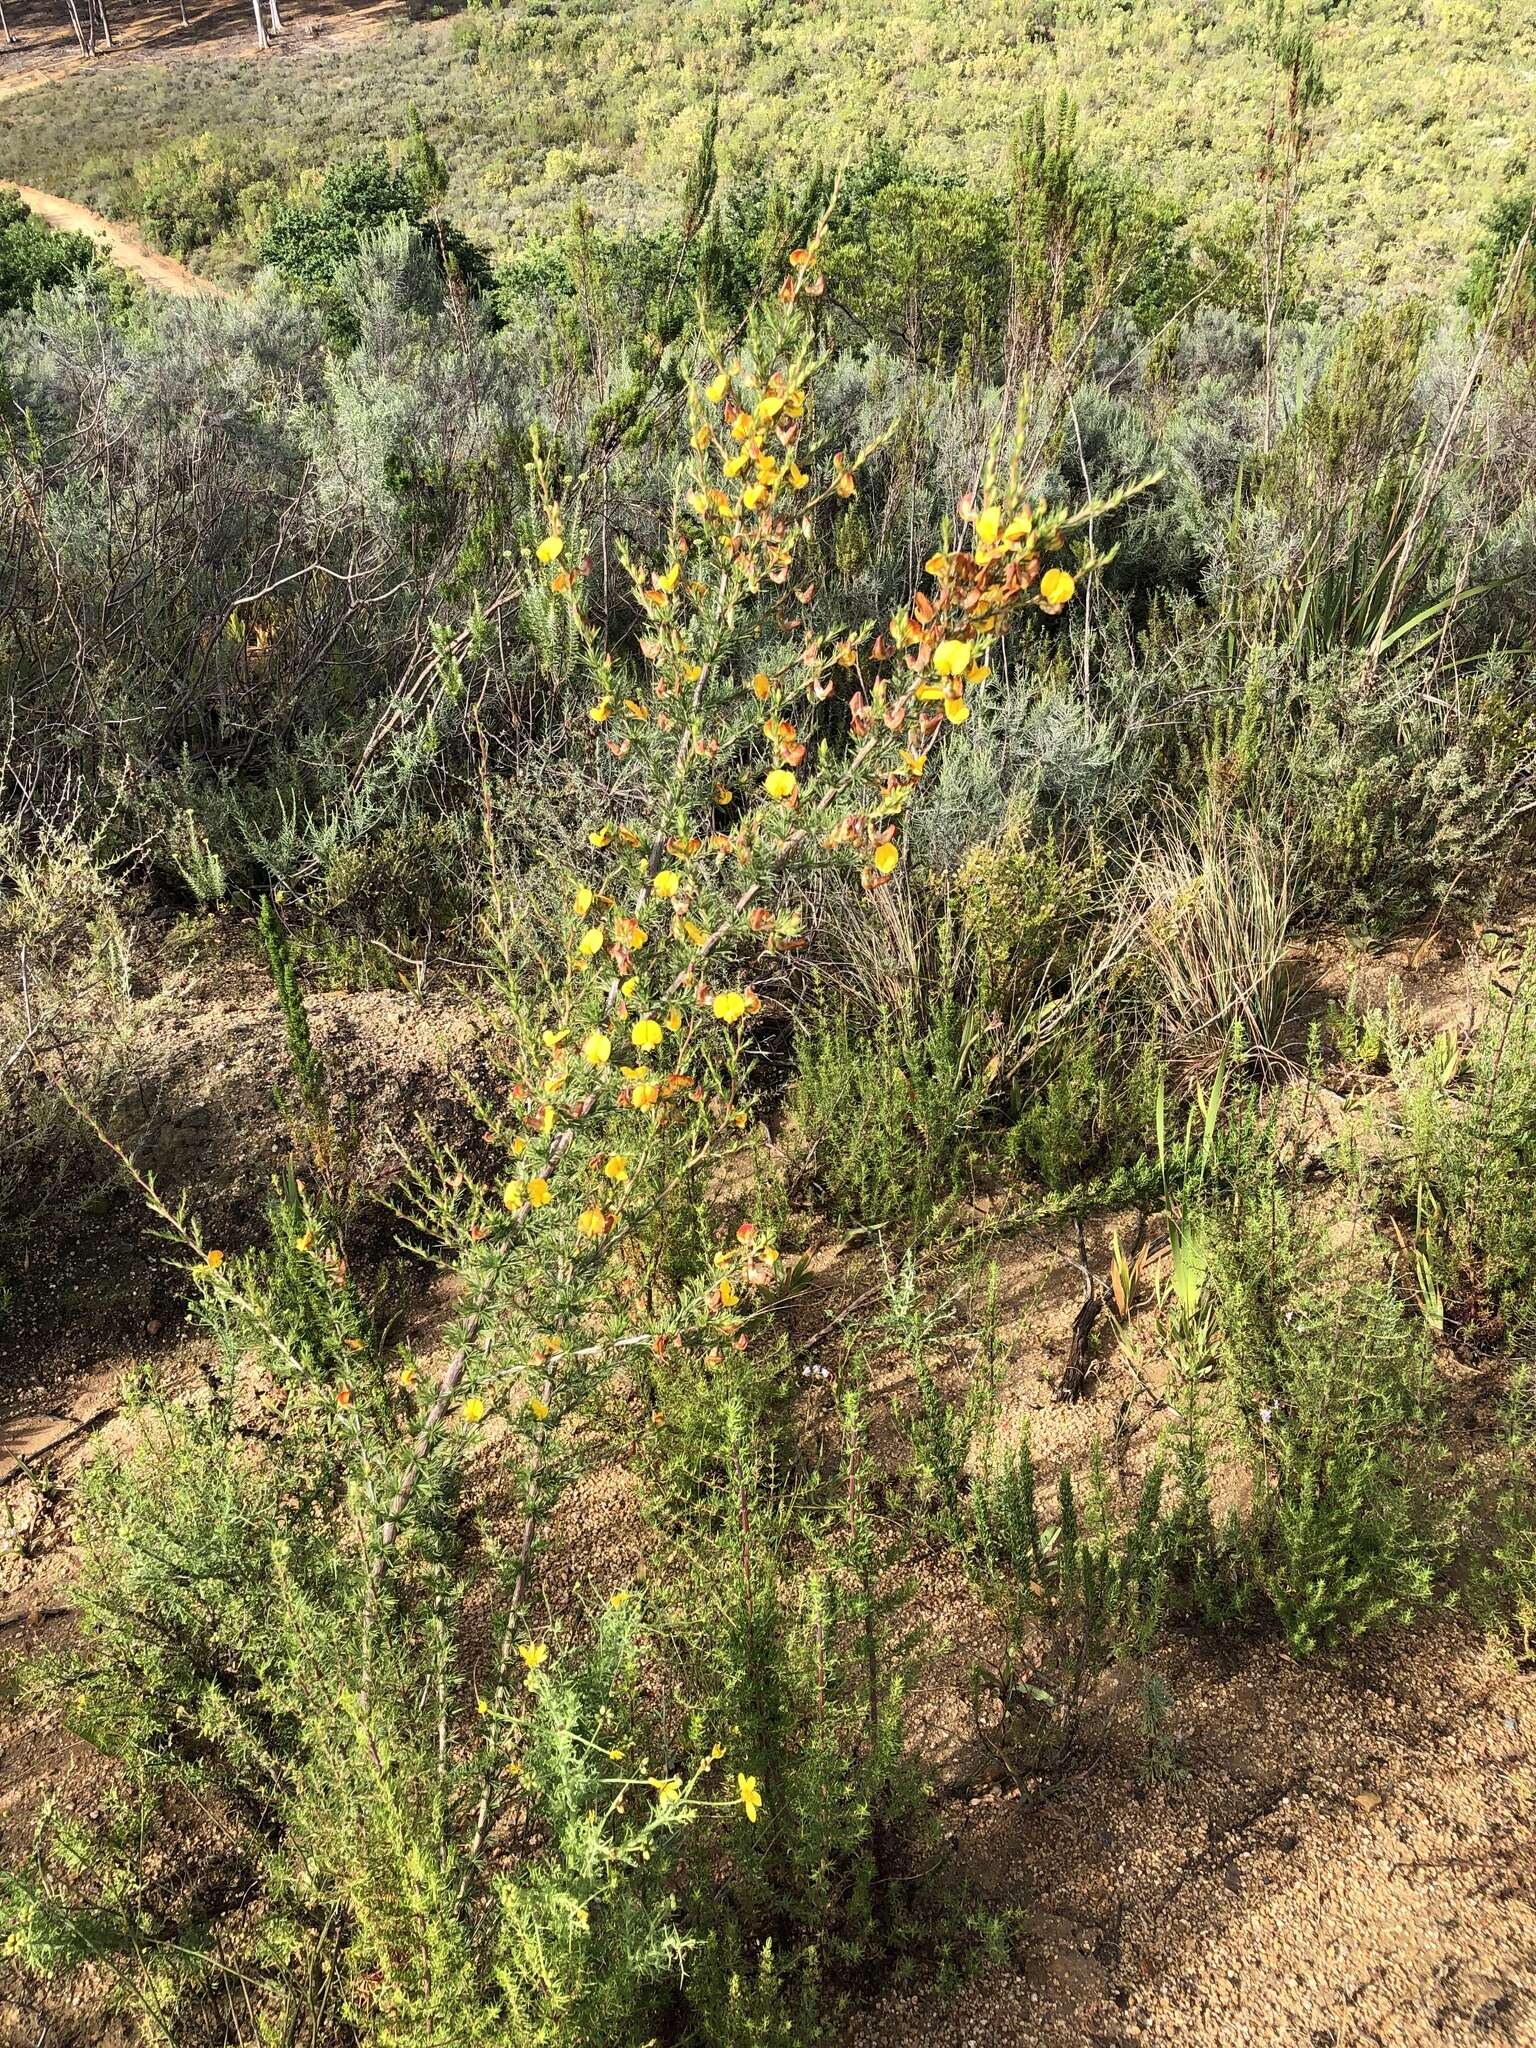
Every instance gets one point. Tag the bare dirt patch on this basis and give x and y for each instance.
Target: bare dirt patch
(45, 48)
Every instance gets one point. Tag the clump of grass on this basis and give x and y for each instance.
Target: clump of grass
(1217, 902)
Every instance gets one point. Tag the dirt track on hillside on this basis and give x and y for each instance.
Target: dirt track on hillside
(125, 249)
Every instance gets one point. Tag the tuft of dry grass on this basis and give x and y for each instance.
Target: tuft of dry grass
(1217, 905)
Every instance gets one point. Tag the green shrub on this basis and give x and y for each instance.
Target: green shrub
(1504, 1575)
(1088, 1101)
(188, 194)
(1400, 800)
(35, 257)
(308, 241)
(922, 265)
(223, 1624)
(1504, 226)
(1470, 1171)
(1074, 1595)
(1334, 1389)
(886, 1114)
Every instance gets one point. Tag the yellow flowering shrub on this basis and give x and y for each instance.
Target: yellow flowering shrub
(626, 1068)
(621, 1090)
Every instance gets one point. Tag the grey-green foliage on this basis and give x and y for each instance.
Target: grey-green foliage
(244, 543)
(1408, 785)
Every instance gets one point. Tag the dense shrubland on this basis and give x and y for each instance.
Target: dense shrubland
(1422, 131)
(878, 699)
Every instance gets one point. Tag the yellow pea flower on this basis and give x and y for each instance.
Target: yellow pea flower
(584, 901)
(781, 784)
(596, 1049)
(887, 858)
(730, 1006)
(538, 1193)
(1057, 587)
(953, 657)
(616, 1168)
(956, 710)
(666, 882)
(550, 548)
(646, 1034)
(514, 1194)
(592, 1222)
(539, 1409)
(474, 1409)
(591, 940)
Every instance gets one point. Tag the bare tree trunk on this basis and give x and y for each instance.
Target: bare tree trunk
(5, 28)
(74, 22)
(106, 26)
(277, 19)
(261, 33)
(183, 4)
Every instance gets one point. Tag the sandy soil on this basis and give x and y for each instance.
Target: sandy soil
(1342, 1853)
